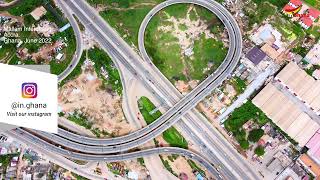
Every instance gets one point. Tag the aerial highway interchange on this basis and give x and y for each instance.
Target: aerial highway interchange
(90, 149)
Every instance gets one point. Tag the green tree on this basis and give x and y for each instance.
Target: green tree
(255, 135)
(259, 151)
(244, 144)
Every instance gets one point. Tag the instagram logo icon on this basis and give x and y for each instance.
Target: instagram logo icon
(29, 90)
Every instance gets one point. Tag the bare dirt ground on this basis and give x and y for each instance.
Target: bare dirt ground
(180, 165)
(101, 107)
(136, 167)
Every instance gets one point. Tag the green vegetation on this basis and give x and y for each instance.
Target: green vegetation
(141, 162)
(114, 171)
(78, 177)
(76, 71)
(244, 144)
(259, 151)
(287, 28)
(146, 106)
(284, 134)
(255, 135)
(69, 38)
(165, 51)
(5, 161)
(278, 3)
(314, 3)
(80, 119)
(167, 166)
(127, 20)
(263, 11)
(174, 138)
(25, 7)
(240, 116)
(102, 60)
(7, 51)
(126, 16)
(53, 15)
(239, 84)
(300, 50)
(171, 135)
(194, 166)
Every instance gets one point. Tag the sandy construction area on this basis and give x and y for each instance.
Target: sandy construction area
(101, 107)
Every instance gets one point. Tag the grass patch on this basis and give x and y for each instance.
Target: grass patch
(194, 166)
(69, 38)
(167, 166)
(279, 3)
(171, 135)
(314, 3)
(165, 51)
(263, 11)
(25, 8)
(174, 138)
(288, 29)
(126, 21)
(146, 106)
(80, 119)
(102, 60)
(78, 177)
(239, 85)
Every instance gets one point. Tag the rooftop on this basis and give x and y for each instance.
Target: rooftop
(296, 2)
(256, 55)
(313, 55)
(314, 146)
(312, 166)
(302, 84)
(38, 12)
(314, 13)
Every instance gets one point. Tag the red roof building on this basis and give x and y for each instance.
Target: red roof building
(305, 22)
(313, 13)
(295, 3)
(292, 7)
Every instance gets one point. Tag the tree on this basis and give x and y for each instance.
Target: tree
(244, 144)
(255, 135)
(259, 151)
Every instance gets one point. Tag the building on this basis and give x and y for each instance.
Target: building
(313, 56)
(292, 8)
(59, 56)
(308, 17)
(316, 74)
(270, 39)
(282, 99)
(38, 12)
(302, 85)
(305, 22)
(256, 55)
(310, 165)
(313, 13)
(314, 147)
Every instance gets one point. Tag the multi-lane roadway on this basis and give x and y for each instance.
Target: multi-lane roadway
(115, 49)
